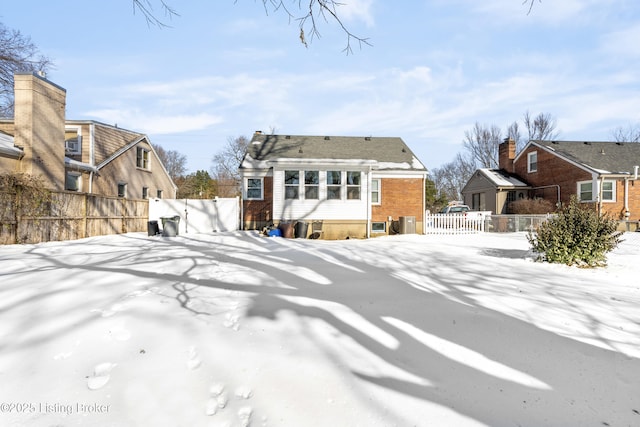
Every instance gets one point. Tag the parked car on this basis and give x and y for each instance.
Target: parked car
(469, 215)
(455, 209)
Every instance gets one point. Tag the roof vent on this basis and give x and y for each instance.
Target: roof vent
(326, 138)
(258, 132)
(587, 143)
(300, 150)
(554, 142)
(367, 138)
(619, 143)
(287, 137)
(404, 150)
(602, 151)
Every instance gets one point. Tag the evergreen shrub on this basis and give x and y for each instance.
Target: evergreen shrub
(575, 236)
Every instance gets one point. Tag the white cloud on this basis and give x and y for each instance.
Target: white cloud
(151, 122)
(622, 42)
(360, 10)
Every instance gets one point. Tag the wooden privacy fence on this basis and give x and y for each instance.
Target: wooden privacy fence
(70, 215)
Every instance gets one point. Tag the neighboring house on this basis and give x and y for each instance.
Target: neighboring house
(347, 186)
(601, 174)
(84, 156)
(493, 190)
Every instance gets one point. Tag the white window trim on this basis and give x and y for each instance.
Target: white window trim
(596, 190)
(246, 188)
(68, 148)
(124, 187)
(384, 228)
(379, 191)
(529, 156)
(148, 153)
(347, 186)
(304, 184)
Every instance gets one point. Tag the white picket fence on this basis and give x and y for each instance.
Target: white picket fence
(454, 224)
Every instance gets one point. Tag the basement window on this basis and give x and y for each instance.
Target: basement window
(378, 227)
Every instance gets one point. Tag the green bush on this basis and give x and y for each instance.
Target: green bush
(576, 236)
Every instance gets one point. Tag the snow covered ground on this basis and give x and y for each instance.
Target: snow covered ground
(235, 329)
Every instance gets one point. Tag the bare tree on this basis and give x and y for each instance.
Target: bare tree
(482, 143)
(225, 166)
(629, 134)
(174, 162)
(540, 127)
(530, 4)
(451, 178)
(17, 54)
(513, 132)
(145, 7)
(308, 16)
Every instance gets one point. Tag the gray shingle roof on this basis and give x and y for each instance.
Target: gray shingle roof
(389, 152)
(604, 157)
(501, 178)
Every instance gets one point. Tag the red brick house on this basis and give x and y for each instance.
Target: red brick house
(352, 186)
(601, 174)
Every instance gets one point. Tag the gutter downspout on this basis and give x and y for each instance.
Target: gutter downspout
(627, 213)
(92, 159)
(369, 203)
(600, 184)
(424, 203)
(549, 186)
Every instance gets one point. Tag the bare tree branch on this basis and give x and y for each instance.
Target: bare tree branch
(530, 2)
(146, 8)
(628, 134)
(17, 54)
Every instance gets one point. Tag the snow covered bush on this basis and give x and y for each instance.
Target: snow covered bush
(576, 236)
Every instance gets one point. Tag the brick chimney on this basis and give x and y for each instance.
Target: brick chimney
(39, 127)
(506, 154)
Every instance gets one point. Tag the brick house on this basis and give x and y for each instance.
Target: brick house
(601, 174)
(77, 155)
(348, 186)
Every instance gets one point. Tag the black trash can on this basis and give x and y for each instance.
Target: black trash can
(153, 228)
(170, 225)
(301, 230)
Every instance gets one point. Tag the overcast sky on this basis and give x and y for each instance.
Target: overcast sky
(226, 68)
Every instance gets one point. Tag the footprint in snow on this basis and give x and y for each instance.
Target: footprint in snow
(218, 398)
(62, 356)
(194, 360)
(114, 309)
(232, 321)
(119, 333)
(243, 392)
(244, 415)
(101, 375)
